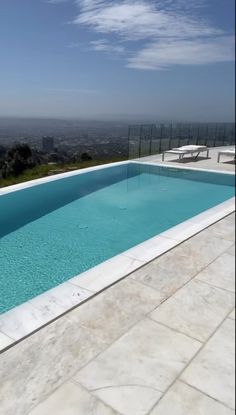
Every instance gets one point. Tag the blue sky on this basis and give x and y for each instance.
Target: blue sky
(151, 59)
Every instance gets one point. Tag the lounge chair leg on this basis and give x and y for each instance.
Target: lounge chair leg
(218, 158)
(195, 158)
(163, 156)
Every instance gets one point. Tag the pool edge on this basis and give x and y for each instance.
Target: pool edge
(85, 286)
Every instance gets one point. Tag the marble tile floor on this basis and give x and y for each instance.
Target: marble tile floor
(159, 342)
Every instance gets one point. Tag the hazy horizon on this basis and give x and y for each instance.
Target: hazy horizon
(139, 119)
(118, 60)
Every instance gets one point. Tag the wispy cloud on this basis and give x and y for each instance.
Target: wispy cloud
(56, 1)
(164, 32)
(163, 54)
(103, 45)
(136, 20)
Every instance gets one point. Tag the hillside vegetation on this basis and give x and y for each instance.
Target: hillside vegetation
(43, 170)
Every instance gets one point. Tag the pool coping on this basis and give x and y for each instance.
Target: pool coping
(31, 183)
(30, 316)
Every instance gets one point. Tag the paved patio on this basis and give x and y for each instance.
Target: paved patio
(226, 163)
(159, 342)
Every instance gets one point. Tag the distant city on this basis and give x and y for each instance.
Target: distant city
(67, 138)
(64, 140)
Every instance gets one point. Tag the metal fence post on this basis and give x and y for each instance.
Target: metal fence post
(128, 147)
(140, 137)
(150, 141)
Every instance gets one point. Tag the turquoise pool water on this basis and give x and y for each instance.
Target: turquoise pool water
(54, 231)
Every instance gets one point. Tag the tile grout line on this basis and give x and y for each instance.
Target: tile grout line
(81, 288)
(92, 392)
(143, 317)
(107, 346)
(202, 344)
(215, 286)
(181, 332)
(124, 385)
(187, 282)
(77, 384)
(95, 397)
(178, 378)
(206, 394)
(71, 377)
(6, 335)
(175, 330)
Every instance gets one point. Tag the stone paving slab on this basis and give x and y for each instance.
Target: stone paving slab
(35, 367)
(212, 371)
(148, 356)
(196, 310)
(231, 250)
(203, 248)
(114, 311)
(167, 273)
(224, 230)
(71, 399)
(129, 399)
(220, 273)
(182, 399)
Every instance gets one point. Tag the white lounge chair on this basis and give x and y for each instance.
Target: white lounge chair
(186, 150)
(229, 152)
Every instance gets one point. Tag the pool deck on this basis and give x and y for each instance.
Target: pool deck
(158, 342)
(227, 163)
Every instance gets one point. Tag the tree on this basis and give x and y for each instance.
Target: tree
(17, 159)
(2, 151)
(22, 151)
(85, 157)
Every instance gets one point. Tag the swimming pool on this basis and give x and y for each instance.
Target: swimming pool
(55, 230)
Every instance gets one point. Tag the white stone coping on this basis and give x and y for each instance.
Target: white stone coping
(28, 317)
(181, 167)
(31, 183)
